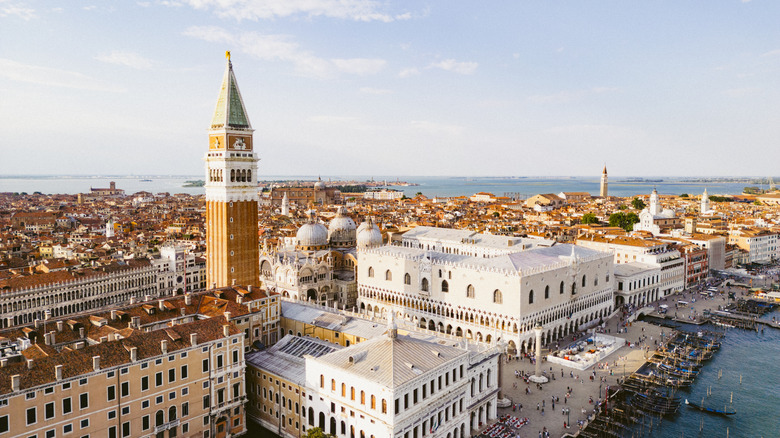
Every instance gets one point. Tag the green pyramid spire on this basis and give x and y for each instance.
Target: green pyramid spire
(230, 111)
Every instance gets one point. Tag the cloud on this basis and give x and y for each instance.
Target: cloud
(437, 128)
(53, 77)
(740, 92)
(464, 68)
(408, 72)
(20, 10)
(128, 59)
(771, 53)
(357, 10)
(369, 90)
(360, 66)
(284, 48)
(569, 95)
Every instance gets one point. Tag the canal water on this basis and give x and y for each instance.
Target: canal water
(747, 366)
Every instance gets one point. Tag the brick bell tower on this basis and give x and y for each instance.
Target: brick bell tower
(232, 253)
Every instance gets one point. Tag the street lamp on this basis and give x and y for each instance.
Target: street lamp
(568, 418)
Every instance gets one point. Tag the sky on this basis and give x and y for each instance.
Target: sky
(395, 88)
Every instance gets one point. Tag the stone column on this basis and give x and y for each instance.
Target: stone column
(538, 377)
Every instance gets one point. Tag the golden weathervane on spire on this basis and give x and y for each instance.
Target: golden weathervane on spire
(227, 54)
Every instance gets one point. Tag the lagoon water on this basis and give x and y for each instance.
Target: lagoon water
(429, 186)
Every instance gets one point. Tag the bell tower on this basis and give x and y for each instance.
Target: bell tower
(232, 252)
(603, 189)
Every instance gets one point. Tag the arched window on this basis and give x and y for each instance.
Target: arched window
(343, 389)
(384, 406)
(445, 287)
(352, 393)
(407, 278)
(498, 297)
(362, 397)
(583, 281)
(561, 288)
(596, 281)
(322, 381)
(172, 413)
(531, 297)
(425, 284)
(388, 275)
(249, 175)
(159, 418)
(373, 401)
(370, 271)
(546, 292)
(574, 288)
(333, 385)
(469, 291)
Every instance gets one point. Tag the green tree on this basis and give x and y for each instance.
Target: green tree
(622, 220)
(638, 204)
(496, 214)
(316, 432)
(631, 219)
(589, 218)
(622, 207)
(684, 195)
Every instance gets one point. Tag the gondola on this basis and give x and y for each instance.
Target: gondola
(710, 410)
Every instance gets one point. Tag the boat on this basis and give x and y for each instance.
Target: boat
(710, 410)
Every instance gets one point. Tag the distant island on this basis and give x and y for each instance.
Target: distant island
(194, 183)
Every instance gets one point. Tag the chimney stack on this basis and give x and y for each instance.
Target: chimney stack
(226, 330)
(250, 288)
(81, 332)
(58, 372)
(96, 363)
(53, 337)
(239, 299)
(46, 339)
(193, 339)
(227, 316)
(15, 382)
(133, 354)
(60, 325)
(29, 364)
(132, 300)
(136, 322)
(233, 283)
(113, 315)
(37, 324)
(3, 362)
(164, 346)
(188, 299)
(160, 305)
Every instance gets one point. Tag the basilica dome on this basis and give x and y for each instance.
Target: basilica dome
(341, 230)
(369, 235)
(311, 235)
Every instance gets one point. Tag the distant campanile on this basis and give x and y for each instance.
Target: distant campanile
(603, 191)
(232, 253)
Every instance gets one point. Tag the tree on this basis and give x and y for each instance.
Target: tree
(496, 214)
(316, 432)
(589, 218)
(622, 220)
(684, 195)
(638, 204)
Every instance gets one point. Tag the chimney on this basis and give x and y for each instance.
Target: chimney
(183, 311)
(233, 283)
(164, 346)
(250, 288)
(136, 323)
(226, 330)
(133, 354)
(58, 372)
(147, 298)
(53, 337)
(193, 339)
(239, 299)
(132, 300)
(29, 364)
(188, 299)
(227, 316)
(81, 332)
(113, 315)
(3, 362)
(214, 285)
(37, 324)
(96, 363)
(47, 339)
(15, 382)
(160, 305)
(60, 325)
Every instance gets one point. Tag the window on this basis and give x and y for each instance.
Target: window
(112, 432)
(159, 399)
(424, 285)
(4, 424)
(531, 297)
(83, 424)
(388, 275)
(219, 361)
(49, 411)
(445, 287)
(111, 392)
(583, 281)
(407, 278)
(32, 416)
(561, 288)
(145, 383)
(370, 271)
(171, 375)
(145, 422)
(205, 365)
(235, 356)
(126, 429)
(546, 292)
(51, 433)
(126, 410)
(66, 406)
(498, 297)
(184, 373)
(82, 382)
(185, 409)
(111, 414)
(158, 379)
(469, 291)
(84, 400)
(68, 428)
(145, 404)
(30, 395)
(125, 389)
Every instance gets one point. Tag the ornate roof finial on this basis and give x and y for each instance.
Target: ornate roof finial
(227, 54)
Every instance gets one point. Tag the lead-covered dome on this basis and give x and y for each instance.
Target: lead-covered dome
(342, 230)
(311, 235)
(369, 235)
